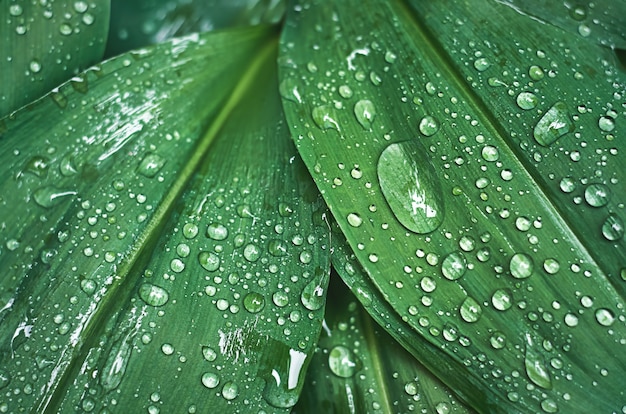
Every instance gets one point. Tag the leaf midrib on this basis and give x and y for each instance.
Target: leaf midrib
(123, 289)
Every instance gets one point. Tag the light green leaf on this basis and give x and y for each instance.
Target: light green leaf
(45, 43)
(477, 179)
(170, 251)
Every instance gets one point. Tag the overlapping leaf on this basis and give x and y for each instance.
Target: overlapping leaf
(45, 43)
(147, 271)
(485, 212)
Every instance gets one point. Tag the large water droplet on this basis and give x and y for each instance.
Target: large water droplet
(411, 187)
(287, 376)
(253, 302)
(288, 89)
(535, 366)
(153, 295)
(230, 391)
(217, 231)
(116, 363)
(150, 165)
(210, 380)
(553, 125)
(365, 112)
(502, 299)
(605, 317)
(606, 124)
(526, 100)
(313, 296)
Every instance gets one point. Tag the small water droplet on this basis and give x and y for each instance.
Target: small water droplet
(190, 230)
(481, 64)
(535, 366)
(453, 266)
(80, 6)
(50, 196)
(153, 295)
(34, 66)
(354, 220)
(323, 118)
(605, 317)
(254, 302)
(345, 91)
(597, 195)
(151, 164)
(535, 73)
(210, 380)
(15, 9)
(230, 391)
(177, 265)
(497, 340)
(65, 29)
(553, 125)
(313, 295)
(490, 153)
(606, 124)
(365, 112)
(251, 252)
(217, 231)
(526, 100)
(209, 261)
(470, 310)
(551, 266)
(613, 227)
(521, 266)
(342, 362)
(209, 353)
(411, 187)
(428, 126)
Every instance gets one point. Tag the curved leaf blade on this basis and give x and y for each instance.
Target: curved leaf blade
(115, 166)
(503, 267)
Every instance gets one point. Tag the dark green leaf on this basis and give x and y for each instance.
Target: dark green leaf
(44, 43)
(477, 179)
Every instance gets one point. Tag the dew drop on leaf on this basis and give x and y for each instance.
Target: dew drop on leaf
(553, 125)
(521, 266)
(453, 266)
(613, 227)
(210, 380)
(470, 310)
(217, 231)
(605, 317)
(230, 391)
(209, 260)
(597, 195)
(365, 112)
(342, 362)
(50, 196)
(253, 302)
(323, 119)
(411, 187)
(606, 124)
(153, 295)
(535, 366)
(150, 165)
(526, 100)
(428, 126)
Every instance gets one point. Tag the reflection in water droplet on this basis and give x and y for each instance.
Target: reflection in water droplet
(490, 153)
(470, 310)
(285, 376)
(210, 380)
(365, 112)
(567, 184)
(313, 295)
(605, 317)
(217, 231)
(253, 302)
(526, 100)
(323, 119)
(428, 126)
(342, 362)
(502, 299)
(481, 64)
(153, 295)
(50, 196)
(453, 266)
(613, 227)
(497, 340)
(150, 165)
(535, 366)
(606, 124)
(553, 125)
(521, 266)
(209, 260)
(411, 187)
(230, 391)
(551, 266)
(597, 195)
(251, 252)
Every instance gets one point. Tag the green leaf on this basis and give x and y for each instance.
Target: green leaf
(143, 22)
(476, 176)
(45, 43)
(170, 250)
(359, 368)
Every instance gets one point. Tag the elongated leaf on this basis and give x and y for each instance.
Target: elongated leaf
(454, 205)
(140, 23)
(359, 368)
(45, 43)
(163, 281)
